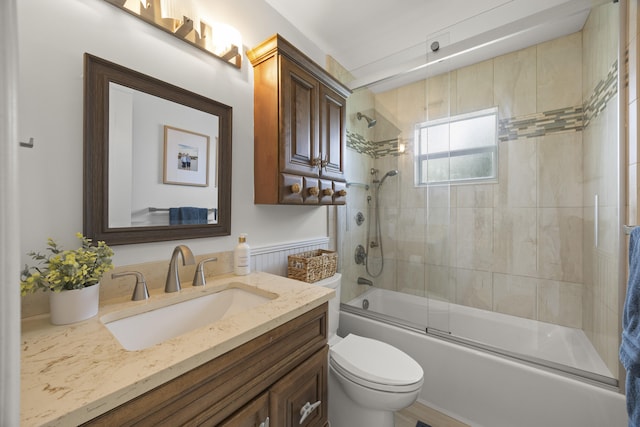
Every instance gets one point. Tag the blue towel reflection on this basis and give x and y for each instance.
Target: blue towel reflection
(188, 215)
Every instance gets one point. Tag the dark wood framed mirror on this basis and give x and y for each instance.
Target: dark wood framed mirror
(157, 159)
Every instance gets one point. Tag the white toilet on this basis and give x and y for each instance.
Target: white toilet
(368, 379)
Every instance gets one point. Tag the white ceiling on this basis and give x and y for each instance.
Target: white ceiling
(385, 43)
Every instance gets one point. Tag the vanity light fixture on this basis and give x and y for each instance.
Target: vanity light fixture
(182, 19)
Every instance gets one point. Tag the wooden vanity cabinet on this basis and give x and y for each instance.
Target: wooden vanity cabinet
(299, 126)
(274, 375)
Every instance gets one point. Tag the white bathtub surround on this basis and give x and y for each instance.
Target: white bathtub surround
(486, 390)
(537, 341)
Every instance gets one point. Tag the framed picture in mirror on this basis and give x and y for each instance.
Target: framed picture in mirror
(186, 157)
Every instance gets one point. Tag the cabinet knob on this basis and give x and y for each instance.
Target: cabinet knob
(314, 191)
(295, 188)
(307, 409)
(342, 193)
(327, 192)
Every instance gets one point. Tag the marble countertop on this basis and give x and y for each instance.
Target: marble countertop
(73, 373)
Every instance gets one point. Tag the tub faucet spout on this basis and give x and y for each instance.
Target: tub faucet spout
(363, 281)
(173, 279)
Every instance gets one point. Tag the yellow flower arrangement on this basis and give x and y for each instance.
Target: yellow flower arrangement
(67, 269)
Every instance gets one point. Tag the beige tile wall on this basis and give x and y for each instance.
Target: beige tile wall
(514, 246)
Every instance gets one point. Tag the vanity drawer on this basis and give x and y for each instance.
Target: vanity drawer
(304, 387)
(253, 414)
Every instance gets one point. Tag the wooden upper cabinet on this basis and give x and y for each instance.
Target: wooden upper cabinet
(332, 131)
(300, 142)
(299, 127)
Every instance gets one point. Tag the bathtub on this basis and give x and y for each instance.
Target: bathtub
(479, 386)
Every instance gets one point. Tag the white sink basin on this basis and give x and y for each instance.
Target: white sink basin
(157, 324)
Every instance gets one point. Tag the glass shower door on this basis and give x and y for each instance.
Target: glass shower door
(433, 174)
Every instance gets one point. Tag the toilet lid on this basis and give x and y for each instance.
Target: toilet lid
(375, 361)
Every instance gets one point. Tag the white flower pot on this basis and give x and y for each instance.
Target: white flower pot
(75, 305)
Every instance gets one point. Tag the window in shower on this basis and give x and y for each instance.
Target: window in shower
(458, 149)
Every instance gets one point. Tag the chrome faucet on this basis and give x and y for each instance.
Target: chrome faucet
(363, 281)
(173, 279)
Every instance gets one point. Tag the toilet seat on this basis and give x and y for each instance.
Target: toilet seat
(375, 364)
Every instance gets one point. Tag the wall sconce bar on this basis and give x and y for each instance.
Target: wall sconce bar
(150, 11)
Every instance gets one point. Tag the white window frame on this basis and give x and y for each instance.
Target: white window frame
(492, 148)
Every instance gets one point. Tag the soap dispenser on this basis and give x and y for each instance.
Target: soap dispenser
(242, 257)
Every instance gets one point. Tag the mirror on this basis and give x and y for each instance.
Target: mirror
(157, 159)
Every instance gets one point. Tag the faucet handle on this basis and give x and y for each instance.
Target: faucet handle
(198, 279)
(140, 291)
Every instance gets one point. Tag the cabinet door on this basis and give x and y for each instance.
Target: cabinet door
(299, 149)
(253, 414)
(304, 387)
(332, 133)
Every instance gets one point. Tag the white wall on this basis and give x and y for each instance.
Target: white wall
(53, 36)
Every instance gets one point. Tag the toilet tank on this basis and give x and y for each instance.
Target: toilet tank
(334, 282)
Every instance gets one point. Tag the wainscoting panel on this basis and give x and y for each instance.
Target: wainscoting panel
(273, 259)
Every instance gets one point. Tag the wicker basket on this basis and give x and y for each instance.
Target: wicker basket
(312, 266)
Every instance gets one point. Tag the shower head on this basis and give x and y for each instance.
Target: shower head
(393, 172)
(370, 122)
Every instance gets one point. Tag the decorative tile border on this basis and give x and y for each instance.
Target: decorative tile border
(360, 144)
(569, 119)
(602, 94)
(540, 124)
(372, 149)
(563, 120)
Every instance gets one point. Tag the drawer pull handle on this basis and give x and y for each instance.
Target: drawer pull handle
(314, 191)
(295, 188)
(307, 409)
(342, 193)
(327, 192)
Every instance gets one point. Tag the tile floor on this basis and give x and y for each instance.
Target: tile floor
(409, 417)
